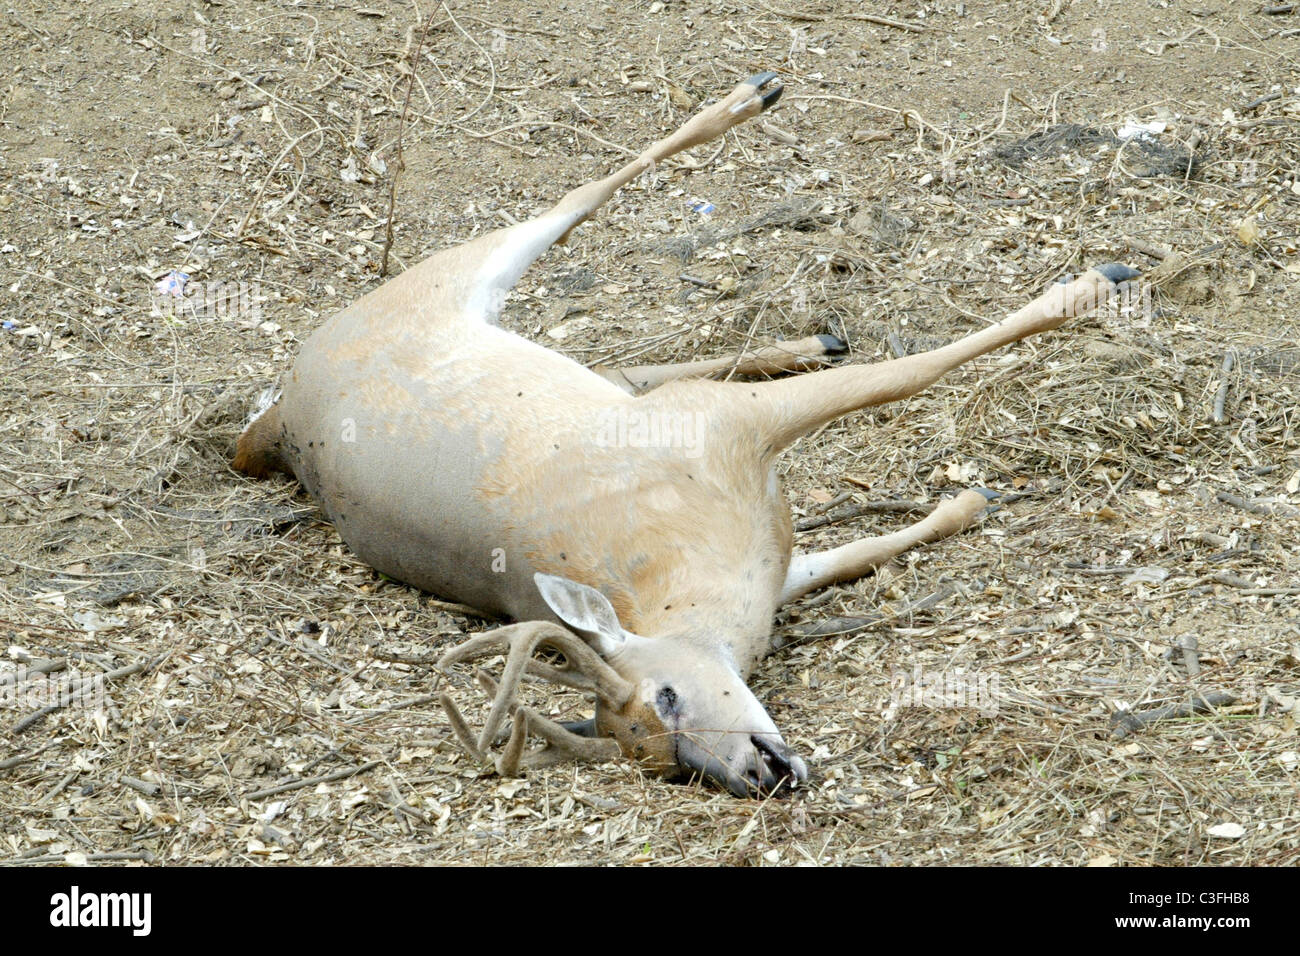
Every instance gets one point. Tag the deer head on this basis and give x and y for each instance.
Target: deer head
(689, 710)
(679, 707)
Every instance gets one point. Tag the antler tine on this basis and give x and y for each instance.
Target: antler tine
(561, 744)
(564, 744)
(508, 762)
(480, 645)
(585, 670)
(522, 642)
(459, 726)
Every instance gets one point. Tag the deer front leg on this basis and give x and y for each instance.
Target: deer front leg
(501, 257)
(790, 408)
(816, 569)
(768, 360)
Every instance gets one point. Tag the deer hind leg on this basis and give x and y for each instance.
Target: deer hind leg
(816, 569)
(796, 406)
(800, 355)
(503, 256)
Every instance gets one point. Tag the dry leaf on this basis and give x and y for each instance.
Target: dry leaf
(1227, 831)
(1248, 231)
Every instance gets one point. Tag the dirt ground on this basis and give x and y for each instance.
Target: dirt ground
(1128, 619)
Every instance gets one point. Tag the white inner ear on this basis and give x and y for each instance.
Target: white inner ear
(584, 609)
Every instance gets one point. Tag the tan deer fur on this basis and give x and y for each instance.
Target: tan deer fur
(468, 461)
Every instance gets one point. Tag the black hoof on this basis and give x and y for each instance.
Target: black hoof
(583, 728)
(833, 344)
(1117, 272)
(1114, 271)
(990, 496)
(760, 80)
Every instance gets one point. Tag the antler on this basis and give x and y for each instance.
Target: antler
(583, 670)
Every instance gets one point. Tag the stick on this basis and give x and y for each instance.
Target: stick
(886, 22)
(1150, 249)
(1266, 98)
(1253, 507)
(893, 506)
(400, 705)
(118, 855)
(1247, 587)
(76, 687)
(1191, 659)
(44, 667)
(842, 626)
(869, 17)
(1126, 722)
(140, 786)
(311, 781)
(1221, 397)
(398, 164)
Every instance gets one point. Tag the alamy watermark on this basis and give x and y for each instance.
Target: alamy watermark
(624, 427)
(29, 689)
(176, 294)
(943, 689)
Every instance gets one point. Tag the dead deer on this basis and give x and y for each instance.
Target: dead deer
(482, 467)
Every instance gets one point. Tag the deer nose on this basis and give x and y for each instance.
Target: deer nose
(776, 767)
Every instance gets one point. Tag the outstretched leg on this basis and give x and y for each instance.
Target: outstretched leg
(792, 407)
(768, 360)
(816, 569)
(471, 280)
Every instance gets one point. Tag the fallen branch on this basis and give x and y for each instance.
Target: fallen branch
(894, 506)
(311, 781)
(75, 688)
(1125, 722)
(114, 857)
(1221, 396)
(1248, 587)
(398, 164)
(1254, 507)
(844, 626)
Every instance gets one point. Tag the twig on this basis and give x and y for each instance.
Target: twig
(886, 22)
(140, 786)
(32, 718)
(893, 506)
(1254, 507)
(1191, 660)
(400, 705)
(398, 163)
(311, 781)
(834, 502)
(1221, 397)
(44, 667)
(38, 715)
(266, 180)
(1248, 587)
(1266, 98)
(10, 762)
(59, 787)
(116, 856)
(843, 626)
(1126, 722)
(1150, 249)
(868, 17)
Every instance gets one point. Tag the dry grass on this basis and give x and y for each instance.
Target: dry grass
(270, 697)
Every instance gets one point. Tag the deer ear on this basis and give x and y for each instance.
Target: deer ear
(584, 609)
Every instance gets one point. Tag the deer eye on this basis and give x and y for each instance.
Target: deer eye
(666, 702)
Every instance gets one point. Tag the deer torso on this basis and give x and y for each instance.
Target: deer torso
(462, 459)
